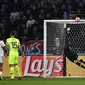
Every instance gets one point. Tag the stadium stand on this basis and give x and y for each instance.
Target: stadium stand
(26, 16)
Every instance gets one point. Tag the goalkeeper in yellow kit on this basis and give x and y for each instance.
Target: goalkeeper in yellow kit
(13, 44)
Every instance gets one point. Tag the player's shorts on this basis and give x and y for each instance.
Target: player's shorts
(1, 59)
(13, 57)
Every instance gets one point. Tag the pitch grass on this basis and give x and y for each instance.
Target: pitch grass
(44, 81)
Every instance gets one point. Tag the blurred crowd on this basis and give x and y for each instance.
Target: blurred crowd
(26, 16)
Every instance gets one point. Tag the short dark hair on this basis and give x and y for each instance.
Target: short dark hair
(13, 33)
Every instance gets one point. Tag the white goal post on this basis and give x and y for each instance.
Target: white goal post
(48, 46)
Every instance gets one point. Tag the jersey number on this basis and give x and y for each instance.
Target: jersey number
(14, 44)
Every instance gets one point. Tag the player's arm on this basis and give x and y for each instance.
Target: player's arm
(5, 51)
(21, 52)
(20, 48)
(7, 46)
(4, 48)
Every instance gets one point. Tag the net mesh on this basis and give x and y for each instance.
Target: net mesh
(56, 34)
(77, 38)
(55, 38)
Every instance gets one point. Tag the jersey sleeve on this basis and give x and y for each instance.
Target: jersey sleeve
(3, 44)
(19, 43)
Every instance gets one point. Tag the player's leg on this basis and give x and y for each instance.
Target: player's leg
(11, 65)
(1, 67)
(17, 69)
(11, 70)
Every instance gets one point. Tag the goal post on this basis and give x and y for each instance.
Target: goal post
(57, 35)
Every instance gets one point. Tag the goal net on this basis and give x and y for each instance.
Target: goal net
(59, 35)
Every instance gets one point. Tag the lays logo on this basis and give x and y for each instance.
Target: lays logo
(36, 66)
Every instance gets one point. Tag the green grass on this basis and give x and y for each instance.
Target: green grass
(44, 81)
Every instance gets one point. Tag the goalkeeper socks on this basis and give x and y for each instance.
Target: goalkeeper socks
(18, 70)
(12, 72)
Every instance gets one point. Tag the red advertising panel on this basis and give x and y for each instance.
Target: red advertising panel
(34, 66)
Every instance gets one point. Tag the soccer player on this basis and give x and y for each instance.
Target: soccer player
(13, 44)
(2, 51)
(71, 55)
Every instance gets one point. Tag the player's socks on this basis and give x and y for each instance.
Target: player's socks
(18, 70)
(1, 75)
(12, 72)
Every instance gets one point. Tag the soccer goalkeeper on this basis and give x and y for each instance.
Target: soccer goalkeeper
(13, 44)
(71, 55)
